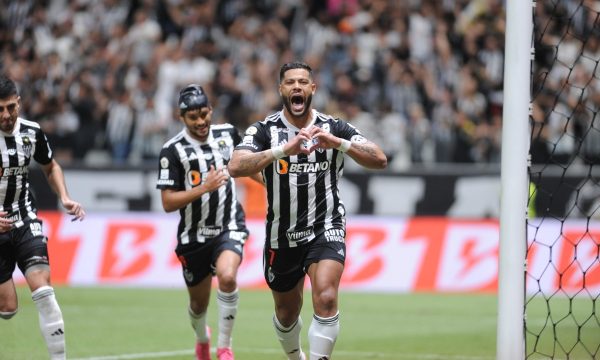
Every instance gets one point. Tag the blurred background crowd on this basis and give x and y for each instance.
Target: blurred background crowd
(423, 78)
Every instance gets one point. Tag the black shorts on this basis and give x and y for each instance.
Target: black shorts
(198, 260)
(283, 268)
(24, 246)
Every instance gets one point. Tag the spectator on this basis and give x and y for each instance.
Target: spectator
(388, 56)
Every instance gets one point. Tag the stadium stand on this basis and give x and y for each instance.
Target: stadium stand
(421, 77)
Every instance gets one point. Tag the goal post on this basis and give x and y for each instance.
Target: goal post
(510, 342)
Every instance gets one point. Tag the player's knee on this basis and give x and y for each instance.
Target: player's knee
(7, 314)
(288, 314)
(227, 281)
(326, 300)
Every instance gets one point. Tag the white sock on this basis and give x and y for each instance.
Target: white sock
(228, 305)
(198, 322)
(51, 321)
(322, 335)
(7, 315)
(289, 338)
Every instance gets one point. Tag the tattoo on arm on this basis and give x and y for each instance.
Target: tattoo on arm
(255, 162)
(366, 148)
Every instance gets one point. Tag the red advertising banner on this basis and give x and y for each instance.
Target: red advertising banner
(428, 254)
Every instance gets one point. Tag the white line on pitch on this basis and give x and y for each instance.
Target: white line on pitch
(360, 354)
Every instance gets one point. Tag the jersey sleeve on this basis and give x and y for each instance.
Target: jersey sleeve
(43, 152)
(169, 170)
(347, 131)
(255, 139)
(235, 135)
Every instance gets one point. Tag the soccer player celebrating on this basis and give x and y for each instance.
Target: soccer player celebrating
(22, 241)
(193, 179)
(300, 152)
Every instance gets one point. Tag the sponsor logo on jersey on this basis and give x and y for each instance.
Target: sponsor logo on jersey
(335, 235)
(13, 217)
(238, 236)
(209, 231)
(15, 171)
(300, 235)
(36, 229)
(283, 167)
(164, 162)
(251, 130)
(248, 140)
(194, 177)
(359, 139)
(165, 182)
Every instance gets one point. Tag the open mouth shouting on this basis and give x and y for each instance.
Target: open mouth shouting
(297, 104)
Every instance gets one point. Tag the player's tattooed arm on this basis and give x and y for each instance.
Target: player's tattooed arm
(247, 163)
(368, 154)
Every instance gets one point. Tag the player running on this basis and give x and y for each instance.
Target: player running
(300, 152)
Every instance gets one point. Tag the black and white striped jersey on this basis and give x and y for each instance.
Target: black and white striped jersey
(27, 141)
(184, 163)
(302, 191)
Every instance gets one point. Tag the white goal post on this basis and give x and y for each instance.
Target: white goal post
(510, 341)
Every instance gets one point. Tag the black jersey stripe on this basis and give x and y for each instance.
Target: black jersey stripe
(302, 189)
(13, 181)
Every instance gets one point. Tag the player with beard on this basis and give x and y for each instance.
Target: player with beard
(22, 242)
(300, 152)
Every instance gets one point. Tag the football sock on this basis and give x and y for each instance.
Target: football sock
(228, 305)
(322, 334)
(51, 321)
(289, 337)
(6, 315)
(198, 322)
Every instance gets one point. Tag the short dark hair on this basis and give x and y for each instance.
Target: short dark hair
(294, 65)
(192, 97)
(8, 87)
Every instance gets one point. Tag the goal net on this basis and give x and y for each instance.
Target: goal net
(562, 305)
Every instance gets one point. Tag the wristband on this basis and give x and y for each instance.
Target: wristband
(344, 146)
(278, 152)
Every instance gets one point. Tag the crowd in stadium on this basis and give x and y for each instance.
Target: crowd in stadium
(422, 78)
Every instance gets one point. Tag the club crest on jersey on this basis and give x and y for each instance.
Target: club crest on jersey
(26, 145)
(224, 150)
(188, 275)
(251, 130)
(270, 275)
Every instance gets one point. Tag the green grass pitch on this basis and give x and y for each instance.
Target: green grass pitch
(131, 323)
